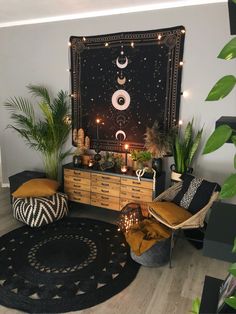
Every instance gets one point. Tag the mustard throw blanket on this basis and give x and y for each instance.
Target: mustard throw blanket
(144, 235)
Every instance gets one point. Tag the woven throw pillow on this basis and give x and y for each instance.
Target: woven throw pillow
(170, 212)
(38, 211)
(37, 187)
(195, 193)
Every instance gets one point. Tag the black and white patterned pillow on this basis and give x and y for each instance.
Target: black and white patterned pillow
(195, 193)
(38, 211)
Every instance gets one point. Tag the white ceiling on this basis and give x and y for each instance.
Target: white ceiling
(21, 12)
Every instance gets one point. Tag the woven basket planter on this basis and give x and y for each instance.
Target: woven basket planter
(158, 255)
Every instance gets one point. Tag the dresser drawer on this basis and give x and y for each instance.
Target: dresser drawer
(136, 197)
(76, 173)
(136, 183)
(74, 179)
(137, 190)
(105, 185)
(79, 196)
(104, 178)
(106, 204)
(70, 186)
(106, 191)
(80, 199)
(105, 199)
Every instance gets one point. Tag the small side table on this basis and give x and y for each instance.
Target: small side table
(221, 231)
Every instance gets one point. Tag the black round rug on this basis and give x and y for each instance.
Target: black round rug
(69, 265)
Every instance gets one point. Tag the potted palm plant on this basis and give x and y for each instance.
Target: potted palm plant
(184, 148)
(46, 134)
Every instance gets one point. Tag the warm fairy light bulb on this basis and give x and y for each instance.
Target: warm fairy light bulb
(185, 94)
(84, 39)
(98, 121)
(106, 44)
(159, 37)
(126, 146)
(183, 31)
(181, 63)
(69, 44)
(180, 122)
(132, 44)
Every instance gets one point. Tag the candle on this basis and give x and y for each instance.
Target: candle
(97, 121)
(126, 153)
(124, 169)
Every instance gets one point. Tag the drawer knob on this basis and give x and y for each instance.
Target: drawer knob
(105, 191)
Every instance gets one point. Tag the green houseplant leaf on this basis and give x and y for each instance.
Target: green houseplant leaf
(232, 269)
(231, 301)
(222, 88)
(217, 138)
(195, 306)
(229, 50)
(229, 187)
(234, 247)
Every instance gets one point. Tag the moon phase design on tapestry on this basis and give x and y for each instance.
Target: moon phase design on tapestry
(128, 81)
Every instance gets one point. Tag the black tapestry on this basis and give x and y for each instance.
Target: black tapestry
(127, 81)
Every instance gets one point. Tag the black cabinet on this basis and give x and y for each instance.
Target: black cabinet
(221, 231)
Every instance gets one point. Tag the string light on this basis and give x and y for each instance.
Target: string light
(132, 44)
(159, 37)
(180, 122)
(181, 63)
(185, 94)
(106, 44)
(84, 39)
(183, 31)
(69, 44)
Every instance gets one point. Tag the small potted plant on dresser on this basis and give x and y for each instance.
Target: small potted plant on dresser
(140, 158)
(184, 149)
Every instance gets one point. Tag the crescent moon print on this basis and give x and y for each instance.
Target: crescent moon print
(122, 133)
(122, 65)
(120, 99)
(121, 81)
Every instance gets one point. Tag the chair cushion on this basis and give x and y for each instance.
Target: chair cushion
(38, 211)
(195, 193)
(37, 187)
(170, 212)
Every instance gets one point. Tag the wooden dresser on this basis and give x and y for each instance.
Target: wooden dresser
(107, 189)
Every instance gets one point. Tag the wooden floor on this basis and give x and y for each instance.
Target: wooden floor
(155, 290)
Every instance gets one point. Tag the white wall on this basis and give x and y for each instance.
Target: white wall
(39, 54)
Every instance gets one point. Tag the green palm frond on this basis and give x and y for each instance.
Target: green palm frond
(40, 91)
(49, 132)
(20, 104)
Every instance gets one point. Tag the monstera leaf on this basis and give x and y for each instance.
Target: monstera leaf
(222, 88)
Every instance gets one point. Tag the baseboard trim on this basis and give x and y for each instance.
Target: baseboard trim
(5, 185)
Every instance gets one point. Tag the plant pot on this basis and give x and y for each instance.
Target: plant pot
(175, 176)
(157, 164)
(137, 165)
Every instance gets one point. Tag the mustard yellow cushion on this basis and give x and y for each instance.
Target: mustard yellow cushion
(170, 212)
(37, 187)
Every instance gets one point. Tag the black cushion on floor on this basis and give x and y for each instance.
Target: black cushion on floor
(69, 265)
